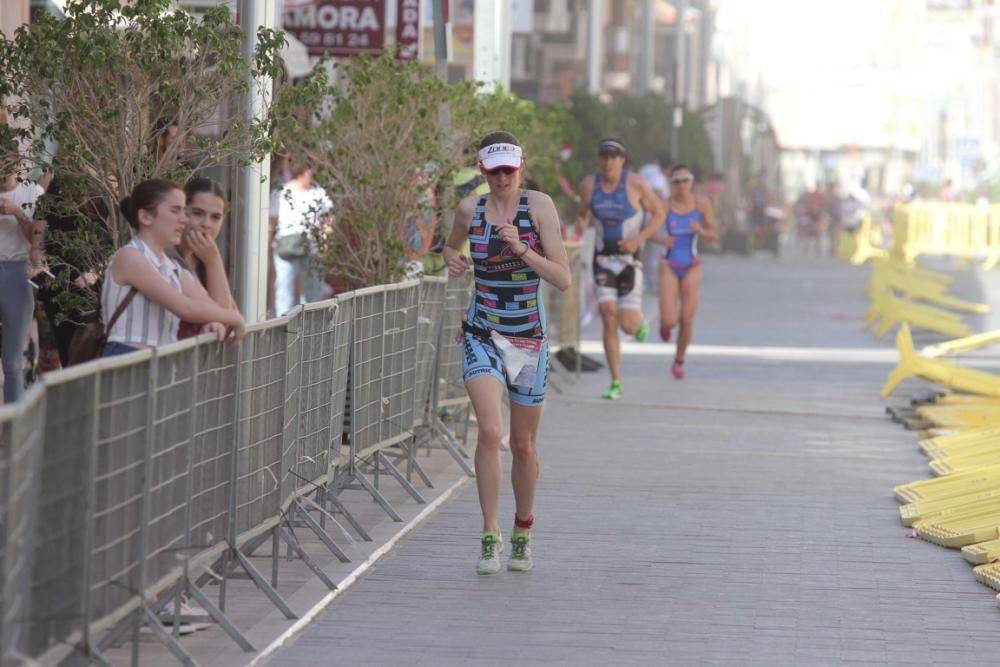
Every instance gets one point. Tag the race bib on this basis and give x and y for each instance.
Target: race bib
(614, 264)
(521, 356)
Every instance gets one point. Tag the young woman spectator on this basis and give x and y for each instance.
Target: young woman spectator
(159, 292)
(198, 251)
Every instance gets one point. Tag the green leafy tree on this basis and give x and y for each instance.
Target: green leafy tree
(375, 141)
(96, 89)
(643, 124)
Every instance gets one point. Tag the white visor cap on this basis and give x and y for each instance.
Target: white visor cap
(500, 155)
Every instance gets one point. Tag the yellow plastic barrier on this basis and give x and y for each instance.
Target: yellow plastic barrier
(974, 342)
(861, 245)
(981, 553)
(949, 465)
(959, 441)
(976, 448)
(934, 370)
(986, 499)
(892, 275)
(961, 528)
(962, 416)
(891, 311)
(988, 575)
(960, 230)
(944, 487)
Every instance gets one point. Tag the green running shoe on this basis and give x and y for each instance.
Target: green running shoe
(614, 392)
(520, 555)
(489, 559)
(642, 333)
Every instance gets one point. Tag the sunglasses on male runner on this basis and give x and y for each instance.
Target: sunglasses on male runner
(681, 179)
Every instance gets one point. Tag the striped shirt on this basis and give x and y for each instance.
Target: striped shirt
(144, 323)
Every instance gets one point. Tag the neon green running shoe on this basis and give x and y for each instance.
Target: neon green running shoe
(614, 392)
(642, 333)
(489, 558)
(520, 554)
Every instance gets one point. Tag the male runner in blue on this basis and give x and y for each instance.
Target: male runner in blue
(618, 198)
(689, 217)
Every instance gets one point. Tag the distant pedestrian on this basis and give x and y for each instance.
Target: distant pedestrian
(17, 235)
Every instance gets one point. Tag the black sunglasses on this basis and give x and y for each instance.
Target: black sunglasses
(506, 171)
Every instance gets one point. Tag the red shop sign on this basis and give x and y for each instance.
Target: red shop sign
(337, 27)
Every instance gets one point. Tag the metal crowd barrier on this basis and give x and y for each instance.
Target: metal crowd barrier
(20, 458)
(563, 310)
(132, 481)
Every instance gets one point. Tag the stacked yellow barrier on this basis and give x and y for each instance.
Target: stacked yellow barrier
(959, 506)
(862, 244)
(964, 231)
(901, 293)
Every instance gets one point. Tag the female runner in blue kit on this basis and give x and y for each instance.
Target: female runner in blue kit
(516, 242)
(689, 218)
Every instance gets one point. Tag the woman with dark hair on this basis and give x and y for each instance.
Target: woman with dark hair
(198, 251)
(689, 218)
(516, 243)
(146, 293)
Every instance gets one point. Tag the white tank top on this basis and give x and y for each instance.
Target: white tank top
(144, 323)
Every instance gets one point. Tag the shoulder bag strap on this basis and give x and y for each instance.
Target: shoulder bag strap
(121, 309)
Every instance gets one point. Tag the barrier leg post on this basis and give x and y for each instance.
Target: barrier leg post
(401, 478)
(320, 533)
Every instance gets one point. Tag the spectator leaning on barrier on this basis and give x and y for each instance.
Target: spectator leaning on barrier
(301, 207)
(148, 291)
(198, 252)
(17, 245)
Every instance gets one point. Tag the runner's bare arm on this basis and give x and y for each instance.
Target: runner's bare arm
(458, 237)
(654, 205)
(554, 266)
(656, 238)
(583, 207)
(709, 231)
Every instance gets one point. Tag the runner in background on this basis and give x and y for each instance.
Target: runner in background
(617, 199)
(689, 219)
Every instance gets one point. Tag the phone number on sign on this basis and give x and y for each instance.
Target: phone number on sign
(336, 39)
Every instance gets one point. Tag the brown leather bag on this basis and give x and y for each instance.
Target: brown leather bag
(89, 340)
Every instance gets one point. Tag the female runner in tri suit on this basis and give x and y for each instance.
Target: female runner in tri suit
(516, 243)
(689, 218)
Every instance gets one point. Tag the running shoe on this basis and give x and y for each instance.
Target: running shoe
(678, 370)
(489, 559)
(520, 554)
(614, 392)
(666, 333)
(642, 333)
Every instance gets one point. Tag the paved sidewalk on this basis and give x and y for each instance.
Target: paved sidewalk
(741, 517)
